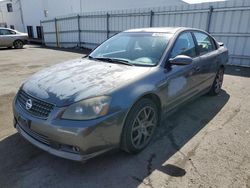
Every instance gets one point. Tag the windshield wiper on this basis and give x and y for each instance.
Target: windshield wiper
(112, 60)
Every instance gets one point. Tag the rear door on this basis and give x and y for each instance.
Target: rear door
(208, 59)
(7, 37)
(2, 41)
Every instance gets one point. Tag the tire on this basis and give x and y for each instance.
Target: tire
(217, 84)
(18, 44)
(139, 126)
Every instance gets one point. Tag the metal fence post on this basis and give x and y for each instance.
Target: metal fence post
(107, 25)
(151, 19)
(209, 18)
(43, 42)
(79, 30)
(56, 30)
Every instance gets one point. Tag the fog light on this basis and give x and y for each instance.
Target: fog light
(70, 148)
(76, 149)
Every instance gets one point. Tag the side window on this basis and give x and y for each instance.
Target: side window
(204, 43)
(9, 7)
(184, 45)
(6, 32)
(213, 43)
(12, 27)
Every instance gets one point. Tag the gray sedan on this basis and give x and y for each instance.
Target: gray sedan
(116, 96)
(10, 38)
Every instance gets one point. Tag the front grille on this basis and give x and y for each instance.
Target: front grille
(39, 108)
(37, 136)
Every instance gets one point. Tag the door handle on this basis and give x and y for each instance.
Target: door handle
(197, 69)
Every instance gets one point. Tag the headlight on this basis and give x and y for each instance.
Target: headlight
(88, 109)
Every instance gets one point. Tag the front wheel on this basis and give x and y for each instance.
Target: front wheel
(139, 126)
(217, 84)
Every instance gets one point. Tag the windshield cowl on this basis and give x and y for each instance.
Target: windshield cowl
(112, 60)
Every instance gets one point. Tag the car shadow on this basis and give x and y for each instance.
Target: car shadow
(4, 48)
(237, 71)
(14, 49)
(25, 165)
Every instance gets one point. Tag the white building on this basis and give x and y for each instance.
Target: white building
(25, 15)
(10, 14)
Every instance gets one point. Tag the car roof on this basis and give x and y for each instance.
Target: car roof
(5, 28)
(171, 30)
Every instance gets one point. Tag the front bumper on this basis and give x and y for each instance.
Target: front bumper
(74, 140)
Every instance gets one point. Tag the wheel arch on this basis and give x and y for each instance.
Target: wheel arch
(149, 95)
(222, 66)
(18, 40)
(154, 97)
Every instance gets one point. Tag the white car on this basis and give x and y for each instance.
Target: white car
(10, 38)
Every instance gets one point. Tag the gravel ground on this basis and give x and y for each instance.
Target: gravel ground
(205, 144)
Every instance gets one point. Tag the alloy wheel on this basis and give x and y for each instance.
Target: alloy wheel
(143, 127)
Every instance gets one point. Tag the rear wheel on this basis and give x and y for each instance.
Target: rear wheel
(18, 44)
(139, 126)
(216, 87)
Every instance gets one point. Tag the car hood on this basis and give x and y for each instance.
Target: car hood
(72, 81)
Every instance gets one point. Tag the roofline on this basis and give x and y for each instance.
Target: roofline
(172, 30)
(168, 30)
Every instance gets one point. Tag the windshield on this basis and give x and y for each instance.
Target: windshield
(134, 48)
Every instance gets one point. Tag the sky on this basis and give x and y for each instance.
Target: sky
(200, 1)
(192, 1)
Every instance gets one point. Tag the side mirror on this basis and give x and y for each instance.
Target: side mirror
(181, 60)
(221, 43)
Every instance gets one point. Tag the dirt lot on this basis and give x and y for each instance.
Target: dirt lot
(206, 144)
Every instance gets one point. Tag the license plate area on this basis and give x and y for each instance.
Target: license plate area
(23, 122)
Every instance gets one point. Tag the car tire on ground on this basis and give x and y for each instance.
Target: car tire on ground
(218, 81)
(18, 44)
(139, 126)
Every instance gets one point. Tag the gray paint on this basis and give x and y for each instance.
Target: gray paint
(66, 83)
(72, 81)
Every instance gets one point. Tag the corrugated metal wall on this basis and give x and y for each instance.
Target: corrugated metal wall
(228, 22)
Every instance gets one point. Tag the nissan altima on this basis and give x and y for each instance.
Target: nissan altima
(115, 97)
(10, 38)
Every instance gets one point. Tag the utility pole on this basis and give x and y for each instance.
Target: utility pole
(21, 14)
(1, 14)
(80, 6)
(2, 20)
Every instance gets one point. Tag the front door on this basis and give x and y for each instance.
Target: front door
(181, 79)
